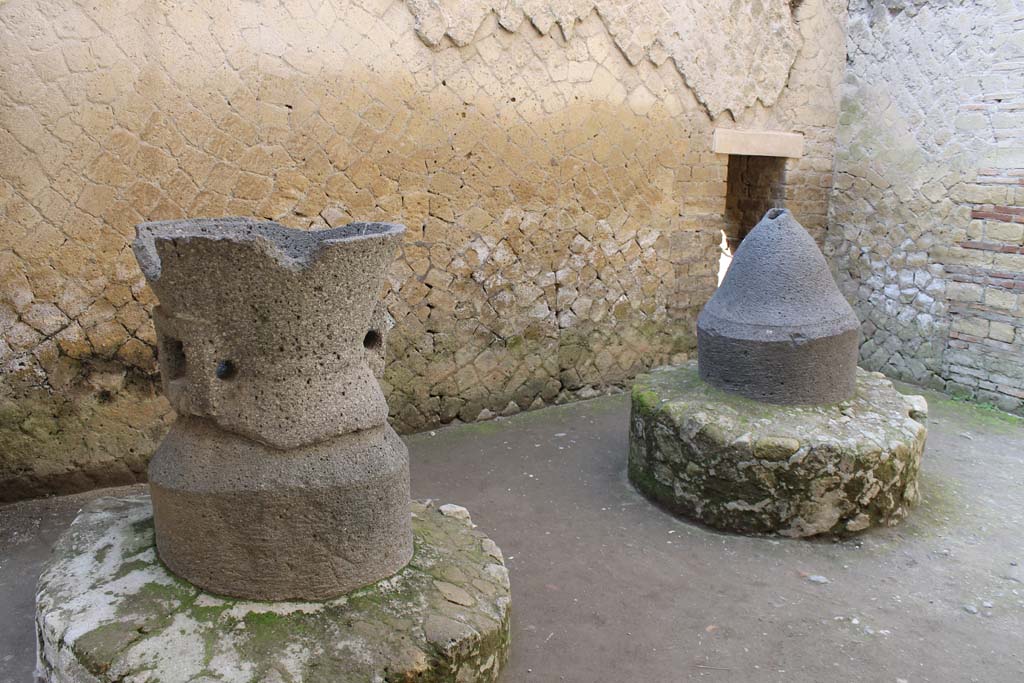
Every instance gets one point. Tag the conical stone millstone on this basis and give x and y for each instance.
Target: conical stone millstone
(778, 329)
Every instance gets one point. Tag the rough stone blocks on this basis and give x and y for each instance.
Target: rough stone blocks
(541, 167)
(108, 610)
(742, 465)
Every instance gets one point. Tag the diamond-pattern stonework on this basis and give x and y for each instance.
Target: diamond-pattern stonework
(742, 465)
(563, 204)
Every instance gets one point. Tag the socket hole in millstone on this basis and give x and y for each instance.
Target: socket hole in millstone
(225, 370)
(174, 357)
(372, 340)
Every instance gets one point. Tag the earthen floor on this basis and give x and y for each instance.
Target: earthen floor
(607, 587)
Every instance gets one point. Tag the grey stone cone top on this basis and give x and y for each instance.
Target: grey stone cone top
(778, 329)
(272, 333)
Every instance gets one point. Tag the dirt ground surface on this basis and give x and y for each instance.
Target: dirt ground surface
(606, 587)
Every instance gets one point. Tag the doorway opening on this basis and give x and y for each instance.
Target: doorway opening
(754, 184)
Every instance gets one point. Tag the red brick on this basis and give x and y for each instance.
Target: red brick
(992, 216)
(984, 246)
(1016, 393)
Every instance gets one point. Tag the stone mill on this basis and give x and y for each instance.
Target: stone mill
(279, 534)
(778, 329)
(281, 478)
(776, 430)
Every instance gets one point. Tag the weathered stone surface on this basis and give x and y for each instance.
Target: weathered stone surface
(732, 55)
(266, 330)
(236, 517)
(747, 466)
(778, 329)
(281, 478)
(108, 610)
(563, 203)
(927, 208)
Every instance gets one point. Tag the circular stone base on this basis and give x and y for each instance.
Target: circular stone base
(752, 467)
(108, 610)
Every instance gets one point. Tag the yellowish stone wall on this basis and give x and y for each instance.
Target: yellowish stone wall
(553, 167)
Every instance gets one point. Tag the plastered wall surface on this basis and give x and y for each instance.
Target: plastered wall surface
(927, 218)
(551, 160)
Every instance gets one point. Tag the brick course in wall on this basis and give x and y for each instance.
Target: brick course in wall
(985, 353)
(927, 210)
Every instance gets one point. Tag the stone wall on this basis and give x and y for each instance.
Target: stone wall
(927, 214)
(551, 160)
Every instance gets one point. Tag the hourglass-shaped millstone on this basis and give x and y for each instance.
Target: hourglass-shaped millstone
(281, 477)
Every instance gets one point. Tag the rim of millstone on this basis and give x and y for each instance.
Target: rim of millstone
(108, 610)
(291, 246)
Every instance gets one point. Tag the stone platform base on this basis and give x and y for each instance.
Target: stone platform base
(108, 610)
(752, 467)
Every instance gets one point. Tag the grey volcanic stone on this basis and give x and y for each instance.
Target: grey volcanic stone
(281, 478)
(753, 467)
(236, 517)
(778, 329)
(269, 331)
(108, 610)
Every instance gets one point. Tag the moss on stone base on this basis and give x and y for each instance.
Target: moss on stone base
(108, 610)
(753, 467)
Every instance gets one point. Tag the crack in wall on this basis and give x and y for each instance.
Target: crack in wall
(588, 179)
(731, 55)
